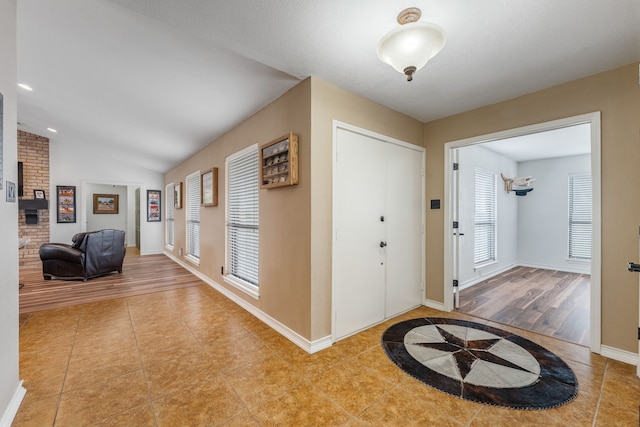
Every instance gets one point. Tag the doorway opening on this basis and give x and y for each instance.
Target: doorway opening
(530, 244)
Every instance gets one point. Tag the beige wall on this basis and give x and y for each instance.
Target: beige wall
(284, 212)
(616, 94)
(330, 103)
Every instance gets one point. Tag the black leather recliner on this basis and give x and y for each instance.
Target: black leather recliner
(91, 254)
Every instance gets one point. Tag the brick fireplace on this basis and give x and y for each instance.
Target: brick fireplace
(33, 152)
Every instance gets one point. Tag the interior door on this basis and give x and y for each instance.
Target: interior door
(359, 205)
(404, 231)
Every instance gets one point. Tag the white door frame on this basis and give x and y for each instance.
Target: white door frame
(596, 261)
(345, 126)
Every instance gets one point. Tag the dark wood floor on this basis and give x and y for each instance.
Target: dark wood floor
(140, 275)
(552, 303)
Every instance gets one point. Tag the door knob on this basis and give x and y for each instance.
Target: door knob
(383, 244)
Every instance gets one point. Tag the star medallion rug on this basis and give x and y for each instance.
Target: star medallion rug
(480, 363)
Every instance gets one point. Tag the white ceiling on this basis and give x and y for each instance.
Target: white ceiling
(562, 142)
(160, 79)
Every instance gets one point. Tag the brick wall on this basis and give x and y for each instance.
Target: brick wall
(33, 152)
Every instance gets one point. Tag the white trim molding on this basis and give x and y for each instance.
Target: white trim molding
(596, 239)
(305, 344)
(11, 410)
(619, 355)
(436, 305)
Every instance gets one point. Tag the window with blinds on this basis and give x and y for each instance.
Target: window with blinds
(242, 218)
(580, 216)
(193, 216)
(485, 217)
(169, 209)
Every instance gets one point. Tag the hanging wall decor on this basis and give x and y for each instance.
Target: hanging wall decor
(66, 203)
(153, 206)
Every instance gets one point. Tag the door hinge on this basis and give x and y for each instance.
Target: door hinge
(456, 166)
(455, 285)
(455, 225)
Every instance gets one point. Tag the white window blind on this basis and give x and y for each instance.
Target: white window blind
(168, 191)
(580, 216)
(242, 216)
(193, 215)
(485, 217)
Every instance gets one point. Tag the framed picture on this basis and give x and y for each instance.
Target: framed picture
(153, 206)
(209, 187)
(11, 192)
(39, 194)
(66, 203)
(105, 203)
(177, 195)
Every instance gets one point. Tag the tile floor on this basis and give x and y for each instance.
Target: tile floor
(191, 357)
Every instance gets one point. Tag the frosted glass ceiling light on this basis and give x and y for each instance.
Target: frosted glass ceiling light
(409, 47)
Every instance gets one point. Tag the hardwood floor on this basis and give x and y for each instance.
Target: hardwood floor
(140, 275)
(552, 303)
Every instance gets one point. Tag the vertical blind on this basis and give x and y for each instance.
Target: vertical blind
(193, 214)
(169, 209)
(580, 216)
(242, 216)
(485, 217)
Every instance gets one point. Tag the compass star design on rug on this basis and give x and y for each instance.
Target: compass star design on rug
(480, 363)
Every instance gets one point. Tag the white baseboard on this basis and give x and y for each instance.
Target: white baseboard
(11, 410)
(619, 355)
(567, 268)
(152, 253)
(436, 305)
(308, 346)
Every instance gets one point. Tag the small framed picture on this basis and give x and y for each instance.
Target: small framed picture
(153, 206)
(105, 203)
(38, 194)
(11, 192)
(66, 203)
(209, 187)
(177, 196)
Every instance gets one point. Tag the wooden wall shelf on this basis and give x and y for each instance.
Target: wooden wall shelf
(279, 162)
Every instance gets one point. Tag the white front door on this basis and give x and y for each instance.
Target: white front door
(359, 198)
(404, 229)
(378, 241)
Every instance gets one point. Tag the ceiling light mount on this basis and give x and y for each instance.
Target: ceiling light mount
(409, 15)
(409, 47)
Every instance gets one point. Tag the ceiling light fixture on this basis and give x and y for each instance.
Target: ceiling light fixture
(25, 86)
(52, 130)
(409, 47)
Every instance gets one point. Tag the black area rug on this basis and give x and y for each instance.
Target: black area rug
(480, 363)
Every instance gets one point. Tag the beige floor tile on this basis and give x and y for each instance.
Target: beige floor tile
(179, 374)
(341, 383)
(459, 409)
(610, 415)
(86, 371)
(399, 407)
(36, 413)
(377, 359)
(243, 419)
(141, 416)
(44, 382)
(204, 404)
(94, 403)
(92, 346)
(260, 381)
(492, 417)
(241, 352)
(311, 365)
(158, 347)
(304, 405)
